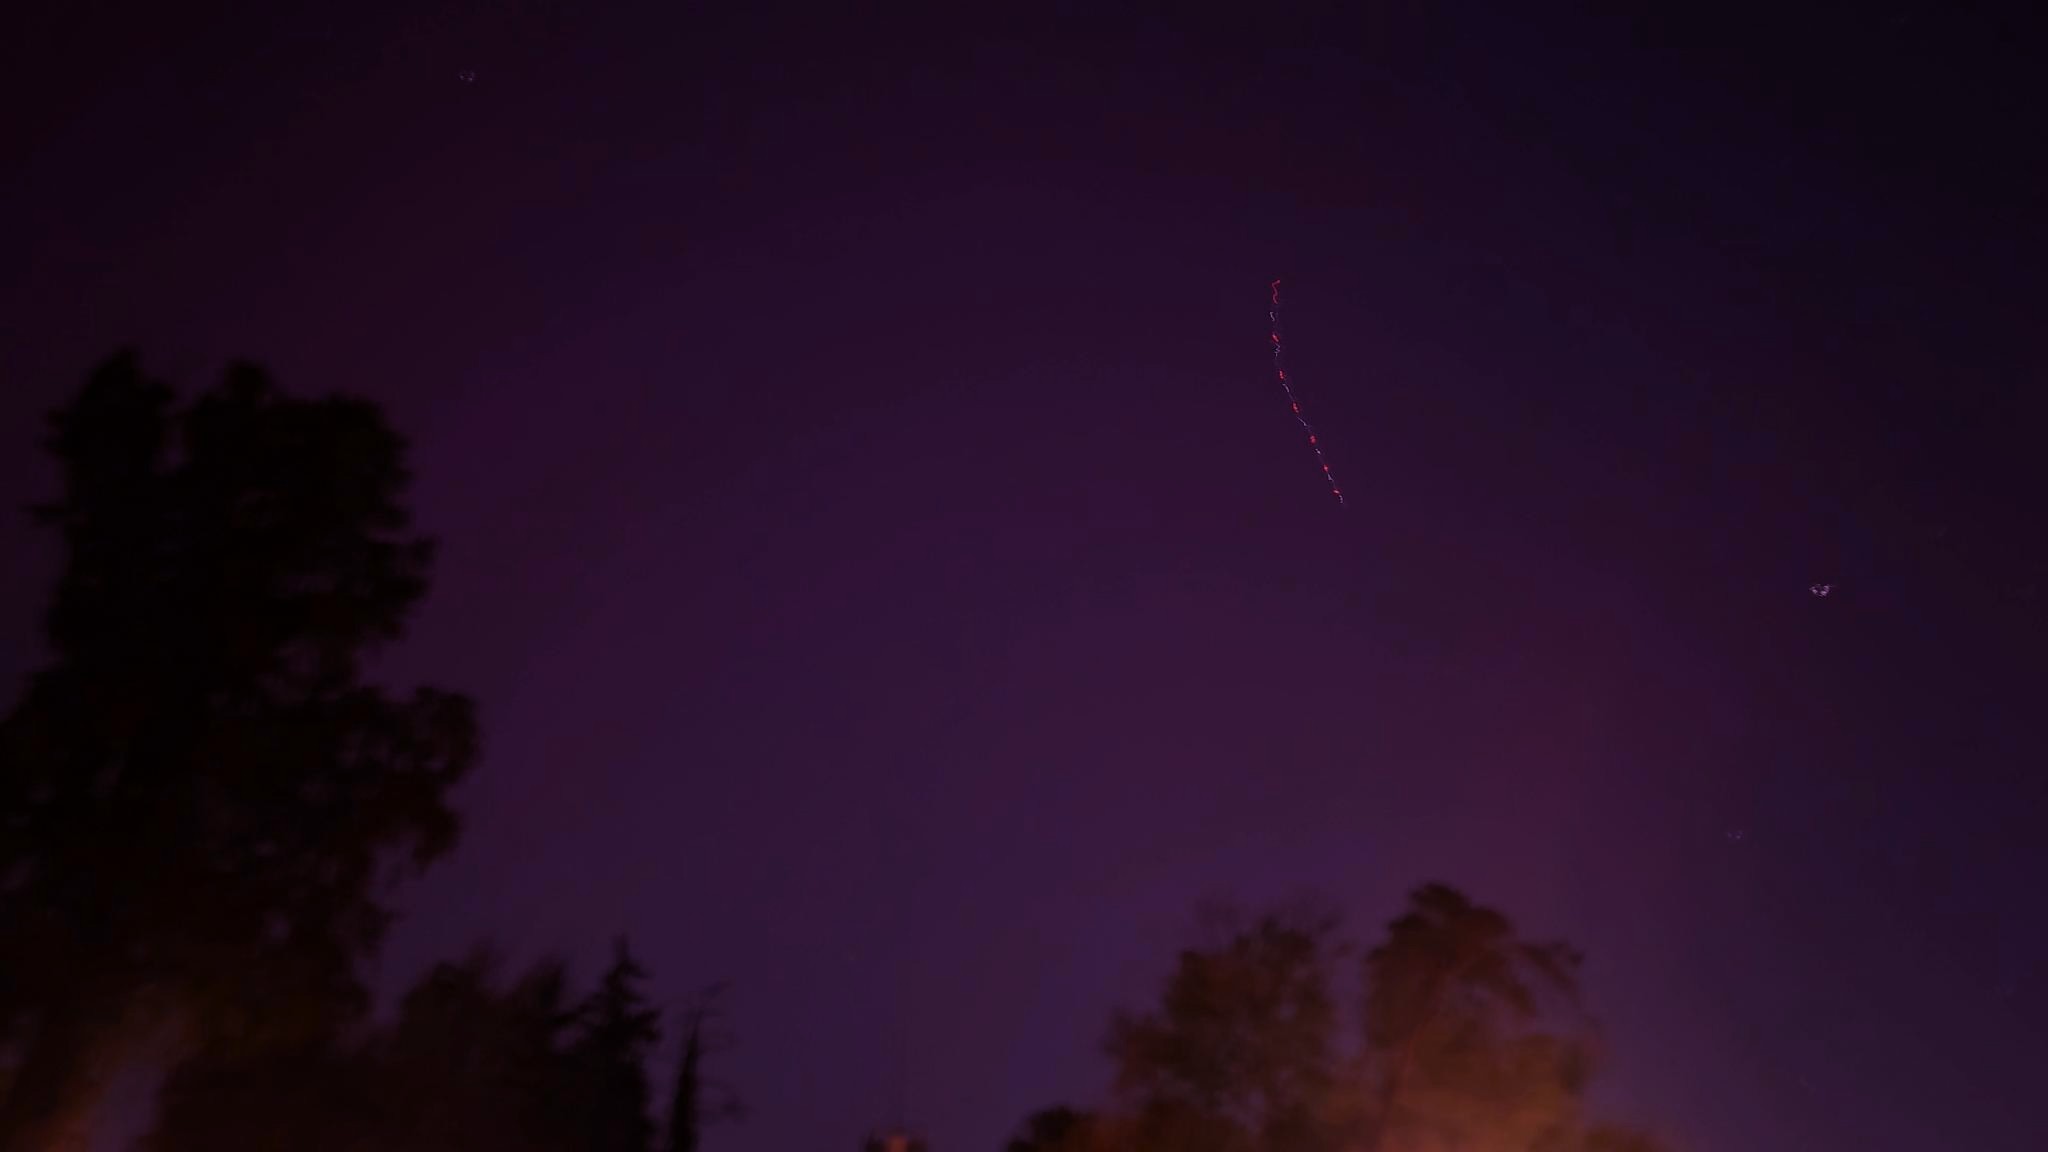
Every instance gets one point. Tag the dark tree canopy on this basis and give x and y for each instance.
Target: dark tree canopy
(470, 1064)
(200, 796)
(619, 1030)
(467, 1065)
(1052, 1128)
(1471, 1033)
(1241, 1051)
(1470, 1037)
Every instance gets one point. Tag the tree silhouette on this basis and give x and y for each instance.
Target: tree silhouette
(619, 1029)
(467, 1066)
(697, 1100)
(1470, 1037)
(200, 798)
(685, 1113)
(1241, 1051)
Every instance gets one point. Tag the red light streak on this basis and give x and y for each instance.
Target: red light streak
(1294, 402)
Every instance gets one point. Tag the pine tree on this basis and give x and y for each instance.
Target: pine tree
(618, 1032)
(699, 1101)
(685, 1116)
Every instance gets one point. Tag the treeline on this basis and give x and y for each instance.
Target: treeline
(473, 1061)
(205, 807)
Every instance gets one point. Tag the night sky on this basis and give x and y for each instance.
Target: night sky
(892, 580)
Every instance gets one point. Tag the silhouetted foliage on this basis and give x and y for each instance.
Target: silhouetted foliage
(467, 1066)
(698, 1101)
(618, 1031)
(1052, 1130)
(200, 797)
(1470, 1037)
(1241, 1051)
(685, 1121)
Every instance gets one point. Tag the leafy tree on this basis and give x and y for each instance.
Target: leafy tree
(1473, 1036)
(1241, 1051)
(1470, 1037)
(200, 796)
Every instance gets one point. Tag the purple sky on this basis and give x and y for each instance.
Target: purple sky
(894, 584)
